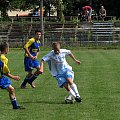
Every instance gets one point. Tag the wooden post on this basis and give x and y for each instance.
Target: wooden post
(41, 20)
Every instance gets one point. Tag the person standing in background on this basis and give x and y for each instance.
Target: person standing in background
(87, 11)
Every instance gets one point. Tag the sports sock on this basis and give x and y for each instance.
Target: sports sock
(14, 103)
(32, 78)
(25, 81)
(72, 93)
(74, 88)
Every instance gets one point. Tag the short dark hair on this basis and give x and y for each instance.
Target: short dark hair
(55, 43)
(37, 31)
(3, 46)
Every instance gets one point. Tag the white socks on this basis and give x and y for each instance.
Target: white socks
(72, 93)
(74, 89)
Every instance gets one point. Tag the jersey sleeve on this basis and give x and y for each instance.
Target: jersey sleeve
(47, 57)
(5, 69)
(67, 52)
(5, 66)
(29, 43)
(4, 60)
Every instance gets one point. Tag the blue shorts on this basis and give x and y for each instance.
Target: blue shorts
(30, 64)
(4, 82)
(62, 78)
(90, 13)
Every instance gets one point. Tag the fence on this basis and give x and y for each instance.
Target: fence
(85, 35)
(71, 33)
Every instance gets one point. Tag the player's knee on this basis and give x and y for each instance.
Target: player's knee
(67, 87)
(12, 90)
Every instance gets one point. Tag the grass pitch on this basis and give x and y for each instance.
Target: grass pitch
(98, 81)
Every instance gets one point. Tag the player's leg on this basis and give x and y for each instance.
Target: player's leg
(34, 76)
(62, 82)
(28, 65)
(73, 86)
(71, 95)
(70, 91)
(74, 89)
(70, 78)
(35, 64)
(27, 78)
(6, 84)
(12, 96)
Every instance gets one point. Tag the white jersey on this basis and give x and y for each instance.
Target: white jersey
(57, 62)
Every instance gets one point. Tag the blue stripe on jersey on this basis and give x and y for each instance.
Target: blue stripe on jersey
(34, 48)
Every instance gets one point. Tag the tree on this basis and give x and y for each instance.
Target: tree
(60, 9)
(4, 8)
(23, 4)
(64, 7)
(6, 5)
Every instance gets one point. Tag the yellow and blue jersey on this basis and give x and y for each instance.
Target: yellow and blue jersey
(33, 46)
(4, 81)
(3, 65)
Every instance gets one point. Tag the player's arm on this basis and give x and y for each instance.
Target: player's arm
(26, 47)
(46, 58)
(35, 57)
(38, 53)
(12, 76)
(73, 57)
(27, 51)
(41, 66)
(6, 72)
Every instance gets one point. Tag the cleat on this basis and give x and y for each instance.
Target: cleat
(69, 100)
(22, 87)
(78, 99)
(32, 85)
(19, 107)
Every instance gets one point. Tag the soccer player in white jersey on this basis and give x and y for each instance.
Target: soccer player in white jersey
(60, 69)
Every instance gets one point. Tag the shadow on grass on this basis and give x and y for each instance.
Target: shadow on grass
(43, 102)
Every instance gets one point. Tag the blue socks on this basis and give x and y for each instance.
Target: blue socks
(32, 78)
(25, 81)
(14, 103)
(28, 80)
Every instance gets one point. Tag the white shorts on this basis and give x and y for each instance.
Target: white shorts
(62, 78)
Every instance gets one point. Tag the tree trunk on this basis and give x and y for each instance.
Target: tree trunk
(60, 11)
(4, 9)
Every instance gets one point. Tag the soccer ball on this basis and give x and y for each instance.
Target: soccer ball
(69, 100)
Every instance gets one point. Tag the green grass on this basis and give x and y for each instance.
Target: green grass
(98, 81)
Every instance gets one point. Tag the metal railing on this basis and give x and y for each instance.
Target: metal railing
(71, 34)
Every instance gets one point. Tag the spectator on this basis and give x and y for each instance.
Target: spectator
(102, 13)
(87, 12)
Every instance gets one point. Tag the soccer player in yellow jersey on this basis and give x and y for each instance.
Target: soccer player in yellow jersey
(5, 83)
(30, 60)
